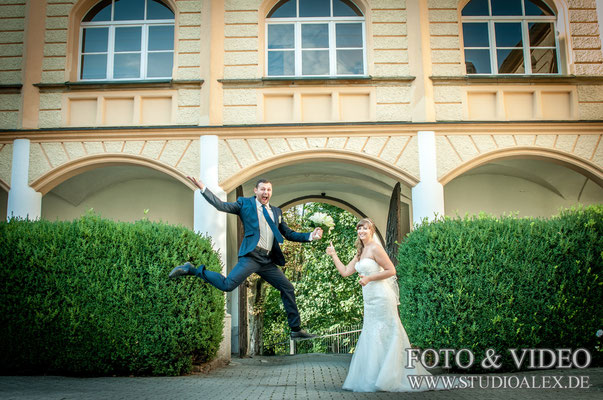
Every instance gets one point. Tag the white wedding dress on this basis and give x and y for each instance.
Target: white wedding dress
(379, 361)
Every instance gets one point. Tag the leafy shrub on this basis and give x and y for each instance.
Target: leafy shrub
(92, 297)
(484, 282)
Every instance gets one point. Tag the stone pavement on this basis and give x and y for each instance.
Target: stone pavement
(306, 376)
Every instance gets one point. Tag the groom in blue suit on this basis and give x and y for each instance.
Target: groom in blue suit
(260, 251)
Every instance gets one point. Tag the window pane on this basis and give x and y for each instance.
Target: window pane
(542, 34)
(94, 66)
(100, 12)
(315, 36)
(476, 34)
(126, 10)
(281, 36)
(314, 8)
(159, 65)
(478, 61)
(506, 7)
(476, 7)
(315, 62)
(510, 61)
(349, 62)
(283, 9)
(508, 34)
(126, 66)
(537, 7)
(161, 37)
(345, 8)
(95, 40)
(348, 35)
(281, 63)
(128, 39)
(158, 10)
(544, 61)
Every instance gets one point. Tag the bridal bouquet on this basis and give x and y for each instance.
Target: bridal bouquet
(322, 220)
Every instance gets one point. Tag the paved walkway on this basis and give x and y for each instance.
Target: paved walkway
(308, 376)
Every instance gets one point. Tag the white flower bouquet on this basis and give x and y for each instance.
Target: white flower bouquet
(322, 220)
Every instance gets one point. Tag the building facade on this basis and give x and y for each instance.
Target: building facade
(481, 105)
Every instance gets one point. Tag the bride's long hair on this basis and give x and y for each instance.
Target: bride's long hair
(359, 245)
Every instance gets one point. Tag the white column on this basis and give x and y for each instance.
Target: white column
(208, 220)
(428, 195)
(23, 201)
(211, 222)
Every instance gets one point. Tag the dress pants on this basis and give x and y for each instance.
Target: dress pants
(261, 264)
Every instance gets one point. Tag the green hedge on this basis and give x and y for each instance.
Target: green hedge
(484, 282)
(92, 297)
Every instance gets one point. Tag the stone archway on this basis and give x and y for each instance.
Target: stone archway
(54, 177)
(120, 187)
(580, 165)
(530, 182)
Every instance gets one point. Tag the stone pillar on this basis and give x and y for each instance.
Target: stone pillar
(428, 195)
(23, 201)
(211, 222)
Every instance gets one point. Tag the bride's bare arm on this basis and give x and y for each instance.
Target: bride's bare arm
(344, 270)
(381, 257)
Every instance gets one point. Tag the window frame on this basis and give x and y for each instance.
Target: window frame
(144, 51)
(297, 23)
(524, 20)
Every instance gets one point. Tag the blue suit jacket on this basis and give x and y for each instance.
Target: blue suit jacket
(245, 208)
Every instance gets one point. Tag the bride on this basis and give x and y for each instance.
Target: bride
(378, 363)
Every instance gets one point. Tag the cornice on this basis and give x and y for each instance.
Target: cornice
(467, 80)
(303, 130)
(117, 85)
(268, 82)
(11, 88)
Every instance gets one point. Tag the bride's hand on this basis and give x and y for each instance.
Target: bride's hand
(331, 250)
(364, 280)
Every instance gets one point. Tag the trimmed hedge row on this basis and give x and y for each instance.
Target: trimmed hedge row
(92, 297)
(484, 282)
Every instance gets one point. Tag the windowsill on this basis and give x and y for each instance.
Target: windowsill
(314, 80)
(11, 88)
(118, 85)
(525, 79)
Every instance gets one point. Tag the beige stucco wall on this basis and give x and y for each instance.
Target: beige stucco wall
(60, 63)
(166, 201)
(387, 57)
(580, 48)
(12, 38)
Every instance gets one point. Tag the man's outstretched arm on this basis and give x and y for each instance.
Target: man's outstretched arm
(232, 208)
(290, 234)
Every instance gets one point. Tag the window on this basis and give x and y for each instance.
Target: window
(127, 39)
(315, 38)
(510, 37)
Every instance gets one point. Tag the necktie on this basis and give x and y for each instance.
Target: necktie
(275, 231)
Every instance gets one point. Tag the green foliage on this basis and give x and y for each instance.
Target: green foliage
(325, 300)
(483, 282)
(92, 297)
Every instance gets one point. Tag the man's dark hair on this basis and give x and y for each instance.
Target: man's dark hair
(257, 185)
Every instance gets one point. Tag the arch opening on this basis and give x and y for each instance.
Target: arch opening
(117, 188)
(527, 186)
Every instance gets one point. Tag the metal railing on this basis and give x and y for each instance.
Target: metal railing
(341, 340)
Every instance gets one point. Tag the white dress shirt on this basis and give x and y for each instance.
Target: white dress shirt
(266, 235)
